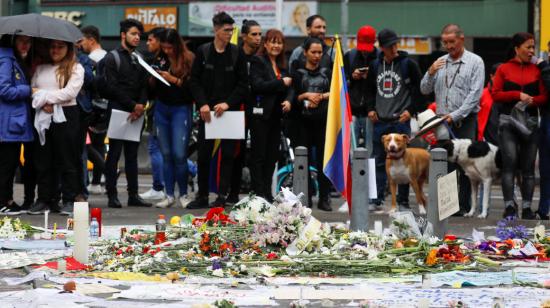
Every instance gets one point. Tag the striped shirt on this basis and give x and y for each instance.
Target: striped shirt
(457, 85)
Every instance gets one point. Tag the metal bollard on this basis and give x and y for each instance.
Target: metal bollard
(360, 190)
(301, 174)
(438, 168)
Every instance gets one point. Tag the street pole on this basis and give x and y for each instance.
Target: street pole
(360, 190)
(438, 168)
(344, 24)
(300, 181)
(279, 13)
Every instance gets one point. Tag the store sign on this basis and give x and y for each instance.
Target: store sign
(152, 17)
(544, 25)
(70, 16)
(265, 13)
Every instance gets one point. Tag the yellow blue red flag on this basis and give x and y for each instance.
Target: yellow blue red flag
(337, 164)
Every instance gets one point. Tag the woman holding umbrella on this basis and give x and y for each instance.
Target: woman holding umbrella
(15, 119)
(55, 86)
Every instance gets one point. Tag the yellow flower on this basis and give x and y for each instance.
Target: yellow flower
(184, 271)
(431, 259)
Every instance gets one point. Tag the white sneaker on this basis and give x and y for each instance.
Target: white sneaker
(185, 200)
(167, 202)
(95, 189)
(152, 194)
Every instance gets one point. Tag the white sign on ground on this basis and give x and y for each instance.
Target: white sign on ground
(447, 195)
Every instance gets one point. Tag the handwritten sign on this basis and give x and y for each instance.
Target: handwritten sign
(447, 195)
(308, 233)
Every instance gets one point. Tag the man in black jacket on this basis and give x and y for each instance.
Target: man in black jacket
(126, 85)
(218, 83)
(356, 64)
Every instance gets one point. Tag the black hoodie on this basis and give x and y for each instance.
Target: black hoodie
(389, 93)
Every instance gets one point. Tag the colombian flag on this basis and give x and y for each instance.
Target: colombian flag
(216, 158)
(337, 164)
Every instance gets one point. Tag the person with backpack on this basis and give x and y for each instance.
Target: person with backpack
(316, 26)
(393, 89)
(125, 85)
(97, 130)
(157, 60)
(218, 83)
(251, 34)
(311, 87)
(356, 66)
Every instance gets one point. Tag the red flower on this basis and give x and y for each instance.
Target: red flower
(119, 252)
(272, 256)
(146, 249)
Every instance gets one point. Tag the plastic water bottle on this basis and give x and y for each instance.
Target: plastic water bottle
(94, 229)
(160, 226)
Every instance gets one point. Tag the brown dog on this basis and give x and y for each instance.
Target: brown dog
(406, 166)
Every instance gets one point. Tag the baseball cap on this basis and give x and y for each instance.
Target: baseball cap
(387, 38)
(366, 36)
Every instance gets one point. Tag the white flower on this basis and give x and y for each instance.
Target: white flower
(218, 272)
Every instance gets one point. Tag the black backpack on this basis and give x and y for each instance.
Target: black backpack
(99, 121)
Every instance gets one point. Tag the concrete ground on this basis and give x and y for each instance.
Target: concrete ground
(140, 216)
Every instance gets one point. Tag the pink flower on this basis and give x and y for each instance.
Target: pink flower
(546, 284)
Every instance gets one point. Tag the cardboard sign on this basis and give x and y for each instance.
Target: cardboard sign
(447, 195)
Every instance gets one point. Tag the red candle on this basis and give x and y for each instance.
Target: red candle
(96, 212)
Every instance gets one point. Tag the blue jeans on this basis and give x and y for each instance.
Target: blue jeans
(173, 126)
(544, 164)
(156, 162)
(379, 154)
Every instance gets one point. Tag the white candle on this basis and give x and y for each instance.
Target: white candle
(81, 232)
(378, 227)
(46, 220)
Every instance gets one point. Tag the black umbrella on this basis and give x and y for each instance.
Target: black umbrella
(37, 25)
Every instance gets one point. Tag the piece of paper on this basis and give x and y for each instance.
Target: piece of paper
(96, 288)
(229, 126)
(308, 233)
(123, 129)
(12, 281)
(149, 69)
(337, 293)
(447, 195)
(373, 193)
(34, 244)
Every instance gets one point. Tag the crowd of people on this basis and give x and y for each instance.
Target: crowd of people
(56, 98)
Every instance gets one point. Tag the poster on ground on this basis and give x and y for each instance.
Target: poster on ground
(294, 15)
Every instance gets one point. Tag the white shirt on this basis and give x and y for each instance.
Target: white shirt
(97, 54)
(45, 78)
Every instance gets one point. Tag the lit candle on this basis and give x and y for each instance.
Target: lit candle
(81, 232)
(54, 230)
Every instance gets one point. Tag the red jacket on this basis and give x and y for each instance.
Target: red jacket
(513, 78)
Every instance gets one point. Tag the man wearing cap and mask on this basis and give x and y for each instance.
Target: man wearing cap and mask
(457, 82)
(356, 65)
(393, 97)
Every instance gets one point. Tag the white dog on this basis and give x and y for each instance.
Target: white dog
(480, 161)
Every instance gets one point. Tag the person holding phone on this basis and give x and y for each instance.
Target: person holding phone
(356, 66)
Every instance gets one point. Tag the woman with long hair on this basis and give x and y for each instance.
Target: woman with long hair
(173, 116)
(312, 86)
(271, 85)
(517, 86)
(55, 87)
(15, 115)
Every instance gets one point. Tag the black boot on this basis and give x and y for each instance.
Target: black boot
(114, 202)
(324, 204)
(135, 200)
(200, 202)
